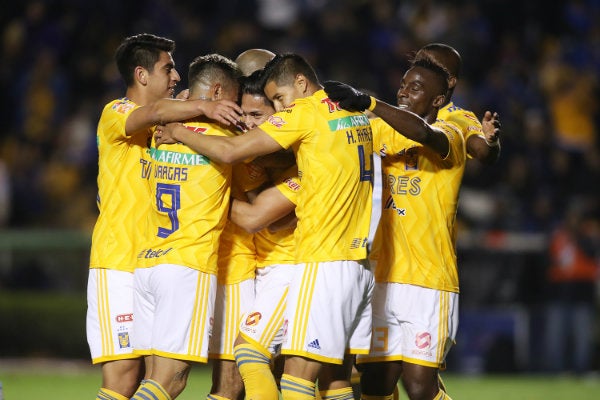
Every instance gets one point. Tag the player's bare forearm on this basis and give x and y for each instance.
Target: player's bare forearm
(486, 149)
(164, 111)
(218, 148)
(413, 127)
(267, 208)
(481, 151)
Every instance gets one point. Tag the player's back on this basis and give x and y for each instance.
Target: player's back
(334, 155)
(190, 200)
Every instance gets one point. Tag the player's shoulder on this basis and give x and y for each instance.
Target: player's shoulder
(453, 110)
(447, 125)
(208, 128)
(121, 105)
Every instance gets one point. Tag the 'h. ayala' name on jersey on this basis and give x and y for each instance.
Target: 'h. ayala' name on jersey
(357, 127)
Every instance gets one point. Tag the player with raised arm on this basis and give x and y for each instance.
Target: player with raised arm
(415, 304)
(146, 65)
(333, 150)
(483, 145)
(176, 276)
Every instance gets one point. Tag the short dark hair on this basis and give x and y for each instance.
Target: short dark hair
(439, 70)
(283, 68)
(253, 85)
(140, 50)
(450, 55)
(214, 67)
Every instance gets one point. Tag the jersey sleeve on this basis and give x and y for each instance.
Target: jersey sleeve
(289, 184)
(290, 125)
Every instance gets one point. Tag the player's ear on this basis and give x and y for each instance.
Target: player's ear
(217, 92)
(301, 83)
(141, 75)
(439, 100)
(452, 82)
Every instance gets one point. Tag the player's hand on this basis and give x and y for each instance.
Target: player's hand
(346, 96)
(491, 127)
(183, 95)
(223, 111)
(164, 133)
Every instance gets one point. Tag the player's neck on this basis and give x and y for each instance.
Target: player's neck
(137, 96)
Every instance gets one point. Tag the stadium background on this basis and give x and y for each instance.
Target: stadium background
(535, 62)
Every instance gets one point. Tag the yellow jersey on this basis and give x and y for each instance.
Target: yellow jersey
(190, 196)
(467, 121)
(237, 252)
(415, 238)
(279, 247)
(333, 150)
(123, 192)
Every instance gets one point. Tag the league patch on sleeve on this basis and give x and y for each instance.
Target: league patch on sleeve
(276, 121)
(123, 106)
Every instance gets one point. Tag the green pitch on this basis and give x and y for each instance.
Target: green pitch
(80, 383)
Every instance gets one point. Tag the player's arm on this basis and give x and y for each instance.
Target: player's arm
(405, 122)
(228, 150)
(486, 149)
(168, 110)
(289, 221)
(266, 208)
(412, 126)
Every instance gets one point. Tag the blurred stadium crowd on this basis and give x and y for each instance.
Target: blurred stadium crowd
(535, 62)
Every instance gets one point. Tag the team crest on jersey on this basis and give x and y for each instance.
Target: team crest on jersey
(124, 340)
(123, 106)
(253, 318)
(276, 121)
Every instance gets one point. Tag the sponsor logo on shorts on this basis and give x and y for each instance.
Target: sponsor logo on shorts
(124, 340)
(423, 340)
(314, 345)
(253, 318)
(124, 318)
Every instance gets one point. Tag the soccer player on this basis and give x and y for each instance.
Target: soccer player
(263, 322)
(175, 279)
(330, 290)
(236, 268)
(481, 145)
(146, 65)
(235, 289)
(415, 304)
